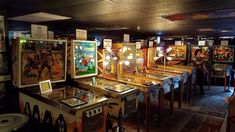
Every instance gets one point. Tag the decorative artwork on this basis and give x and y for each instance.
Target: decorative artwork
(152, 52)
(178, 53)
(38, 60)
(128, 53)
(141, 56)
(110, 61)
(205, 52)
(84, 59)
(223, 53)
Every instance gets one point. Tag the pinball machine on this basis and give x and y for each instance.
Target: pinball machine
(184, 71)
(223, 57)
(156, 53)
(104, 62)
(5, 71)
(126, 61)
(63, 108)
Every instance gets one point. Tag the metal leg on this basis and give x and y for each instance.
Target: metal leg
(160, 105)
(180, 94)
(120, 120)
(138, 119)
(189, 88)
(147, 113)
(172, 99)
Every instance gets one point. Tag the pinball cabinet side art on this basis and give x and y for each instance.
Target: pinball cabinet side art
(84, 59)
(37, 60)
(5, 73)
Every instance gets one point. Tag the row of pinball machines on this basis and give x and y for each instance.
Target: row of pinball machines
(90, 84)
(123, 63)
(86, 100)
(218, 58)
(68, 106)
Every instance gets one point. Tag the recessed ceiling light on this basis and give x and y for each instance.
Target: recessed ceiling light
(39, 17)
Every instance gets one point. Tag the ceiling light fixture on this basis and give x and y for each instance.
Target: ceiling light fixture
(39, 17)
(225, 31)
(206, 30)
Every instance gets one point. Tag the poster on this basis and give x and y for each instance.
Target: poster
(38, 31)
(81, 34)
(42, 60)
(84, 59)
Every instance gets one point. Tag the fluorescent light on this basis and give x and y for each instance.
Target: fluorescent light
(206, 30)
(39, 17)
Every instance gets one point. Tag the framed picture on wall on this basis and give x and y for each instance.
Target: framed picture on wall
(2, 34)
(84, 59)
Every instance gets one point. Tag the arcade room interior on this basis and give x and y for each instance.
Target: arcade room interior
(117, 65)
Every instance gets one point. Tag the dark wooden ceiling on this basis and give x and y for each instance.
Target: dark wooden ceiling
(167, 17)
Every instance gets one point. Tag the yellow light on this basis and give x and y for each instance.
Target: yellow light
(108, 57)
(160, 54)
(168, 49)
(124, 49)
(158, 48)
(126, 62)
(105, 63)
(108, 49)
(169, 58)
(130, 57)
(155, 58)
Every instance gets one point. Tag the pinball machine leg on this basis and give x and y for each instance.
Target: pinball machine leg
(190, 89)
(225, 82)
(180, 95)
(172, 99)
(147, 112)
(160, 105)
(138, 119)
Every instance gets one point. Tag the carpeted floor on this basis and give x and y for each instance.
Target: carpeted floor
(206, 113)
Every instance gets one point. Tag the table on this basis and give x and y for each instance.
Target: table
(12, 122)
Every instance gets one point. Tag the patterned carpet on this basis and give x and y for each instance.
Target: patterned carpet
(205, 114)
(200, 123)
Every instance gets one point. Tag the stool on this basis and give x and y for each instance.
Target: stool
(12, 122)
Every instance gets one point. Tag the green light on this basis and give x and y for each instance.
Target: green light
(22, 40)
